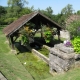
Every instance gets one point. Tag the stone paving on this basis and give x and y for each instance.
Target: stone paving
(2, 77)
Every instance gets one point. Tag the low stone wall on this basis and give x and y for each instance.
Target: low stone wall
(47, 47)
(41, 56)
(61, 58)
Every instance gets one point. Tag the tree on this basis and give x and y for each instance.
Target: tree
(65, 13)
(2, 14)
(48, 12)
(61, 20)
(78, 12)
(26, 10)
(15, 9)
(2, 10)
(74, 28)
(68, 10)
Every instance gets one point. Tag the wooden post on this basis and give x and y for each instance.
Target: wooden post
(41, 32)
(58, 34)
(11, 42)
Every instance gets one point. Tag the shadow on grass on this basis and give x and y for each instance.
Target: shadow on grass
(37, 44)
(51, 44)
(20, 48)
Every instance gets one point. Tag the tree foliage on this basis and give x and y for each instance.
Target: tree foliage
(15, 7)
(14, 10)
(74, 28)
(65, 13)
(2, 15)
(68, 10)
(48, 12)
(78, 12)
(2, 10)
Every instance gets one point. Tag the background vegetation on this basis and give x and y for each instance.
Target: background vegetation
(17, 8)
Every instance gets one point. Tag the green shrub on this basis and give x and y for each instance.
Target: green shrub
(76, 44)
(24, 39)
(48, 36)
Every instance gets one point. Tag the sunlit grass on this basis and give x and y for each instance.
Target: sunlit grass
(10, 65)
(73, 74)
(37, 68)
(44, 51)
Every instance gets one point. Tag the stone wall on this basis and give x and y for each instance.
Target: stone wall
(62, 58)
(41, 56)
(65, 34)
(47, 47)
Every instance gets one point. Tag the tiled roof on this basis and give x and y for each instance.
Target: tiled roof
(22, 20)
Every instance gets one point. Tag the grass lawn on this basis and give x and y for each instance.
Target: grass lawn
(73, 74)
(44, 51)
(10, 65)
(37, 68)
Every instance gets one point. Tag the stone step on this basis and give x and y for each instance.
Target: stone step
(63, 64)
(55, 67)
(62, 58)
(61, 61)
(61, 54)
(63, 48)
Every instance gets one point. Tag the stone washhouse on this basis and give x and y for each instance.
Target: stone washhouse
(37, 18)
